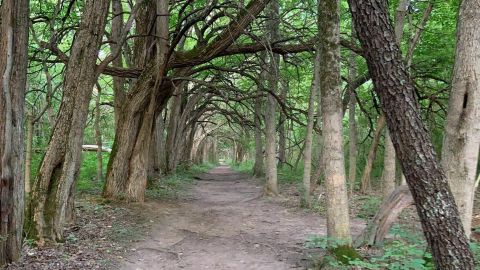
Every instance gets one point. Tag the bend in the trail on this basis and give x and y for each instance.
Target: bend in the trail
(226, 224)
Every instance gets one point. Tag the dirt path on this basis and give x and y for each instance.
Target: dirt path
(226, 224)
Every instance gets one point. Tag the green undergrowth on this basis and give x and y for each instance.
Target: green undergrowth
(286, 174)
(406, 250)
(165, 186)
(173, 185)
(289, 175)
(243, 167)
(87, 180)
(365, 206)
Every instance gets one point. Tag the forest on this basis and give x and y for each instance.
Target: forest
(248, 134)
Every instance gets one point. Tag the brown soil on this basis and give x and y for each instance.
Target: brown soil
(226, 223)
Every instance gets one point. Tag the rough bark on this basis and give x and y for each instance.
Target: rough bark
(427, 182)
(118, 82)
(271, 187)
(338, 221)
(389, 159)
(127, 170)
(462, 129)
(13, 76)
(60, 165)
(372, 153)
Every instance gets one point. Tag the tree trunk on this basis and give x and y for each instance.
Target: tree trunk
(271, 187)
(118, 83)
(28, 155)
(427, 182)
(389, 159)
(162, 157)
(13, 78)
(400, 13)
(60, 165)
(282, 138)
(317, 175)
(338, 221)
(159, 145)
(388, 176)
(365, 183)
(307, 169)
(462, 129)
(173, 122)
(258, 169)
(127, 168)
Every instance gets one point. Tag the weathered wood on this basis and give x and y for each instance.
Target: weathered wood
(390, 209)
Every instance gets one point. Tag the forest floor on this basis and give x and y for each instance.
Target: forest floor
(219, 221)
(226, 223)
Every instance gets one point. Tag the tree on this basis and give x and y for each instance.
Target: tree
(352, 122)
(389, 161)
(13, 78)
(426, 180)
(372, 153)
(462, 128)
(258, 168)
(126, 171)
(270, 119)
(52, 197)
(338, 220)
(307, 153)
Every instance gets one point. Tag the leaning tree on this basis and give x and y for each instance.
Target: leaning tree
(427, 182)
